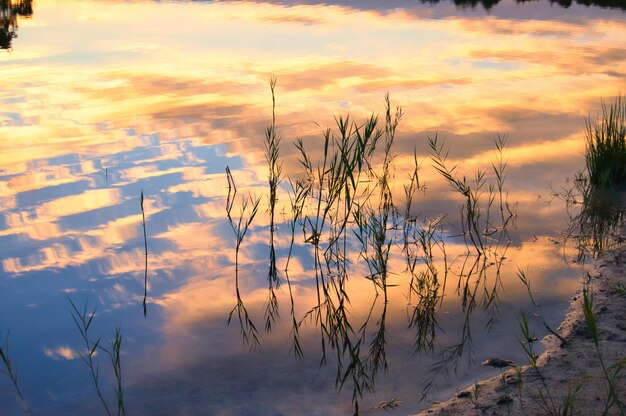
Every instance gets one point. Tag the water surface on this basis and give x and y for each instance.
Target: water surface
(104, 100)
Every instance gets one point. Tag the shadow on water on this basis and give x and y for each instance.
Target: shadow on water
(353, 226)
(9, 12)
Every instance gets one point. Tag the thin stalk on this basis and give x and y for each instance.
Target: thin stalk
(145, 244)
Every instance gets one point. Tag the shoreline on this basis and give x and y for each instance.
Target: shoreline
(571, 374)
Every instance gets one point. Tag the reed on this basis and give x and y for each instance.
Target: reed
(605, 145)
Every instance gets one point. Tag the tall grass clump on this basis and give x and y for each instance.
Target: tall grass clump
(605, 145)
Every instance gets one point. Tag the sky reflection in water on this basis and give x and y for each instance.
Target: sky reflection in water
(102, 100)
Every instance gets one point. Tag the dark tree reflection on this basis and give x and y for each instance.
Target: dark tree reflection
(9, 12)
(488, 4)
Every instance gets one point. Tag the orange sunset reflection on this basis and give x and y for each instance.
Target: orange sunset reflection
(463, 79)
(120, 115)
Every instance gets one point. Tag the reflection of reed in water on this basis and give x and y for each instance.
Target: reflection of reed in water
(9, 11)
(601, 213)
(344, 206)
(240, 226)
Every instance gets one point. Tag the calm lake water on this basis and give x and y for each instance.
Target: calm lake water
(104, 100)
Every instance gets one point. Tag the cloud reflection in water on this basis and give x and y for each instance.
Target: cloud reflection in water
(101, 103)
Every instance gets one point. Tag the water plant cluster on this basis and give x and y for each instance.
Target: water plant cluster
(593, 199)
(352, 206)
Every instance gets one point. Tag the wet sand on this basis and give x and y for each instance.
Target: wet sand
(570, 368)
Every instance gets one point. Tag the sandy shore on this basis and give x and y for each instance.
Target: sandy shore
(569, 367)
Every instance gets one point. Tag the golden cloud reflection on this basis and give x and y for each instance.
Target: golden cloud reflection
(105, 101)
(88, 201)
(64, 352)
(223, 98)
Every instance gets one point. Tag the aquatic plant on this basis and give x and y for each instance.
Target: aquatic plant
(10, 370)
(472, 211)
(272, 152)
(297, 200)
(343, 202)
(595, 216)
(605, 145)
(248, 210)
(116, 363)
(479, 276)
(145, 242)
(83, 319)
(337, 194)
